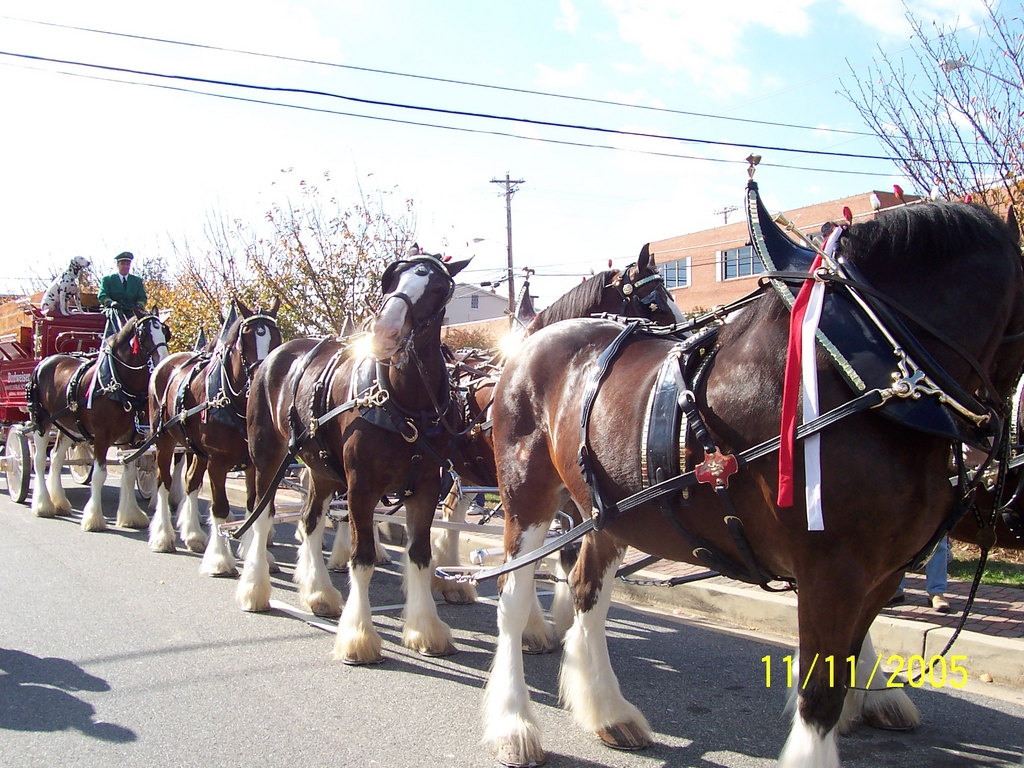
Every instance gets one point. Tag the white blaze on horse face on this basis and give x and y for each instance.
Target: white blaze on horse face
(156, 335)
(262, 342)
(390, 324)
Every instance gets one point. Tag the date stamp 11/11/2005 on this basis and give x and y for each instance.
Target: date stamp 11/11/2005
(936, 672)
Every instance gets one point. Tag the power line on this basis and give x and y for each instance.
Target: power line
(562, 142)
(447, 81)
(452, 112)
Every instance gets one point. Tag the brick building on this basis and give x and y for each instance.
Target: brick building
(705, 269)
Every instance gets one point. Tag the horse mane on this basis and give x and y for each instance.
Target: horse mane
(924, 236)
(580, 301)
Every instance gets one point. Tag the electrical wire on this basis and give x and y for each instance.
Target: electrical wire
(452, 112)
(428, 78)
(461, 129)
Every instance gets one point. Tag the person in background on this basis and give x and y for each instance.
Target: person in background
(935, 581)
(123, 291)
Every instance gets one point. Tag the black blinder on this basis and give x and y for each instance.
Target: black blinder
(389, 280)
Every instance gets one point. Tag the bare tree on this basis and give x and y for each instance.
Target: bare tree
(323, 260)
(951, 113)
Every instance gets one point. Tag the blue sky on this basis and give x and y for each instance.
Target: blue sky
(92, 167)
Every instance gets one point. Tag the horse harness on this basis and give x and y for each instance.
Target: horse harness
(372, 396)
(221, 400)
(106, 382)
(918, 394)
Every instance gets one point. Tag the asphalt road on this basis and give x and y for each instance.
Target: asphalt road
(111, 655)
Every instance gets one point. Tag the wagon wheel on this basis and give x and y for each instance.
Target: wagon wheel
(145, 479)
(81, 473)
(18, 465)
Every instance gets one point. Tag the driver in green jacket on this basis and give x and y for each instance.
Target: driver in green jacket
(122, 290)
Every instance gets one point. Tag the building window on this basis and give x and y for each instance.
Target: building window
(739, 262)
(676, 274)
(474, 301)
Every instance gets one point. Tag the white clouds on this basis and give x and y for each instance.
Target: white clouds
(569, 19)
(705, 39)
(888, 17)
(554, 79)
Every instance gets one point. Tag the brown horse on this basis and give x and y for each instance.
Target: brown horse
(366, 426)
(97, 401)
(206, 395)
(636, 291)
(953, 269)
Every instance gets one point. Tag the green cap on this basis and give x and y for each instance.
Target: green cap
(124, 256)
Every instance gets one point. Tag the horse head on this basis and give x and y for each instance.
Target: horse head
(643, 291)
(150, 336)
(415, 292)
(965, 268)
(253, 336)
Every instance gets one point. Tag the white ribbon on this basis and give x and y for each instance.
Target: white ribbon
(809, 388)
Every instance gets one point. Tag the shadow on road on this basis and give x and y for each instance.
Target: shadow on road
(34, 696)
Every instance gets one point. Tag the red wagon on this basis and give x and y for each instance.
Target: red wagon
(26, 337)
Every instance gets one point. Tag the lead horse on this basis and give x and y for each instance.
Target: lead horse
(951, 272)
(365, 426)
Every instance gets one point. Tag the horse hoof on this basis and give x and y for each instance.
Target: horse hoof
(326, 613)
(626, 736)
(196, 544)
(537, 648)
(511, 756)
(449, 650)
(890, 717)
(338, 568)
(354, 662)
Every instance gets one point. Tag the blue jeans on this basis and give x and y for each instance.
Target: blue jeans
(935, 582)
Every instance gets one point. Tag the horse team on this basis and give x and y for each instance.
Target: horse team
(576, 394)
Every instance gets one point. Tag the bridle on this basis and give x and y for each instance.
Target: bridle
(653, 299)
(262, 329)
(390, 278)
(140, 341)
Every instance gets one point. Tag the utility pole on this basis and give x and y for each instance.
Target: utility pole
(510, 189)
(727, 210)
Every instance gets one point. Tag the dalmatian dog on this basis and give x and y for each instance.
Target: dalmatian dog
(63, 293)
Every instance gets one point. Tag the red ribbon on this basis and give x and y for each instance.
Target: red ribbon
(791, 390)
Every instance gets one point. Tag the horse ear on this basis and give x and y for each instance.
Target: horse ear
(454, 267)
(274, 306)
(1011, 223)
(246, 312)
(645, 262)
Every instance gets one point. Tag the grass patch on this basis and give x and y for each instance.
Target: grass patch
(999, 574)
